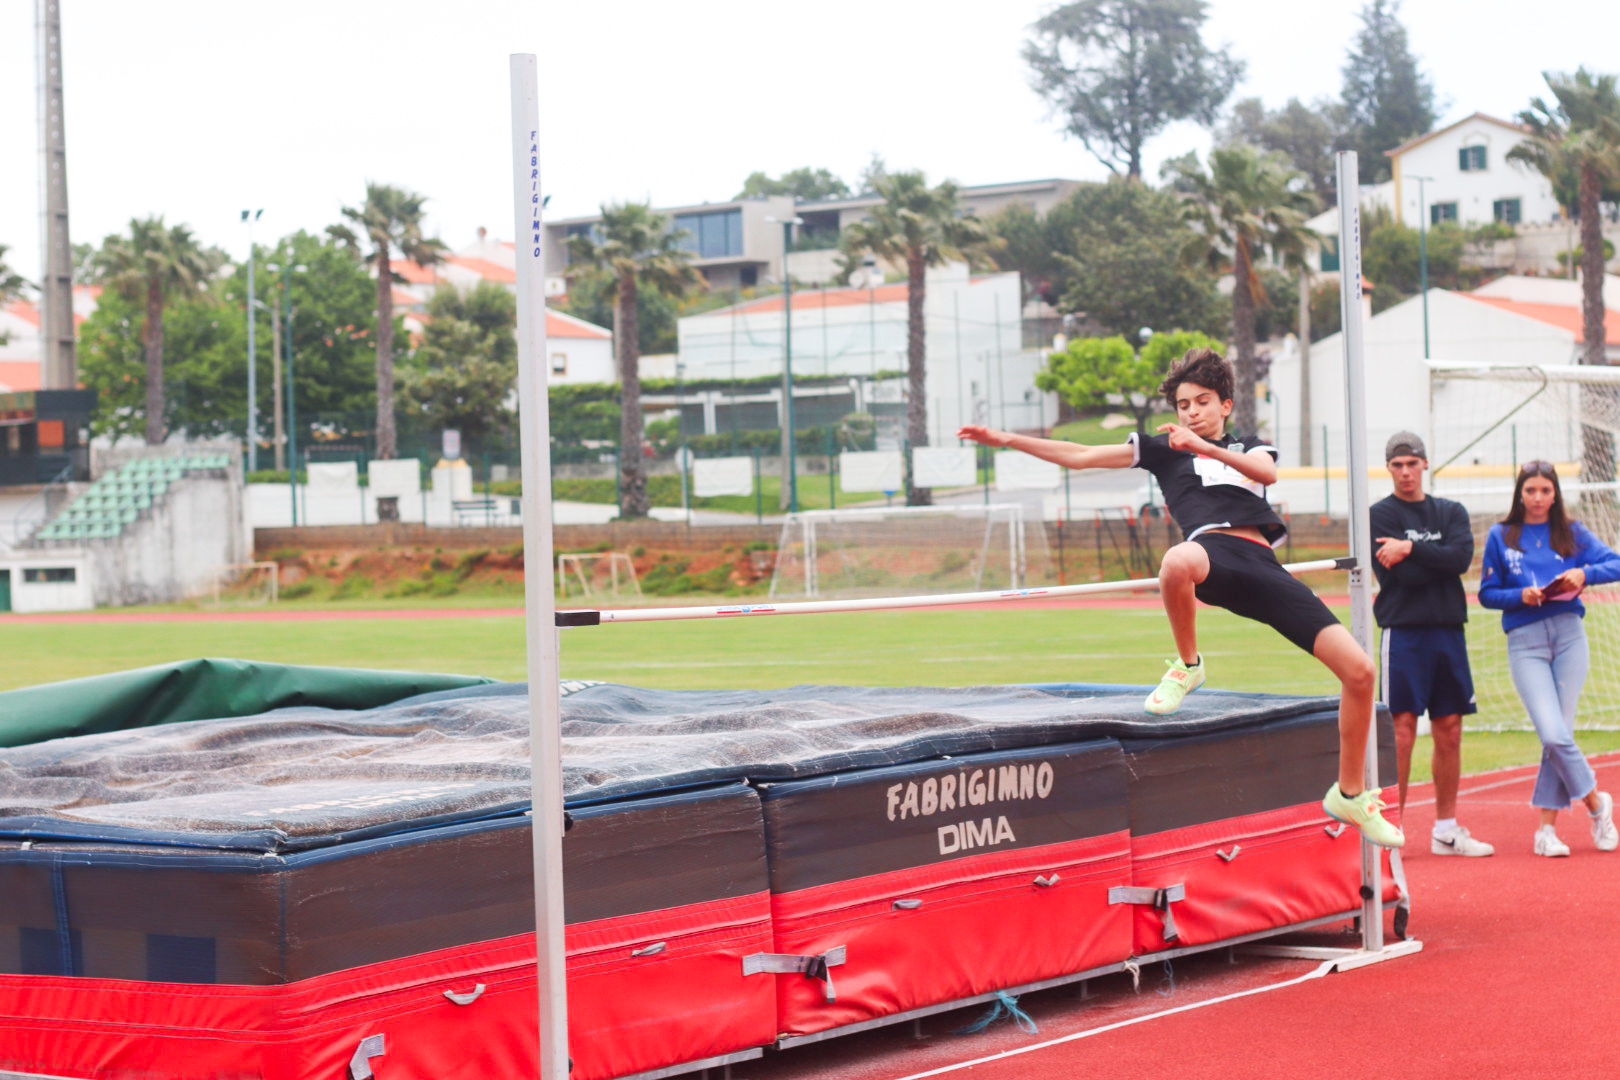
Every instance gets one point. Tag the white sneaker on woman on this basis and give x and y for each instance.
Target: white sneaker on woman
(1547, 843)
(1604, 834)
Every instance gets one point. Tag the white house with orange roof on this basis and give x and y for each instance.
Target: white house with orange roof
(1468, 177)
(1458, 173)
(20, 341)
(578, 351)
(976, 368)
(1514, 321)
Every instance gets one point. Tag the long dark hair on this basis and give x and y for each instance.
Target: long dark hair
(1558, 527)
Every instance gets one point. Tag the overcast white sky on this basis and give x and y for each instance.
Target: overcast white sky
(196, 109)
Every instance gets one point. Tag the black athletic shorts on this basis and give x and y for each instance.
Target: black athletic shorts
(1246, 579)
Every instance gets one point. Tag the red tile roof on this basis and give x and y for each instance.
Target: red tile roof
(1563, 316)
(485, 269)
(19, 375)
(559, 325)
(24, 310)
(814, 299)
(407, 270)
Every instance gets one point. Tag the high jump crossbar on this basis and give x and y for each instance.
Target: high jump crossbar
(884, 603)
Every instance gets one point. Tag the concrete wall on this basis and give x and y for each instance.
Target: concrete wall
(178, 548)
(31, 596)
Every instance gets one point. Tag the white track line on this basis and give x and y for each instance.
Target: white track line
(1604, 761)
(1316, 973)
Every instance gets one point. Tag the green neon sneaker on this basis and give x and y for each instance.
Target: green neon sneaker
(1365, 812)
(1177, 683)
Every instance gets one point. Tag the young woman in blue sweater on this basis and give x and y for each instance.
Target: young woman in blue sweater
(1537, 562)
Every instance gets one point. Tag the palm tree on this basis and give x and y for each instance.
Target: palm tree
(1251, 203)
(1577, 137)
(11, 283)
(917, 226)
(633, 248)
(1575, 143)
(155, 263)
(390, 218)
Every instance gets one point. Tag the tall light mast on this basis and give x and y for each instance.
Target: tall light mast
(59, 367)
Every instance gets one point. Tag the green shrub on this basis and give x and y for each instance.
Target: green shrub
(285, 554)
(468, 563)
(299, 591)
(354, 586)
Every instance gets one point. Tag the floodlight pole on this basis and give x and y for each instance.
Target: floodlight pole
(540, 597)
(788, 444)
(250, 216)
(1355, 410)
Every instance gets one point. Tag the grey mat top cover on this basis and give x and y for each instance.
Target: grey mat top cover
(302, 778)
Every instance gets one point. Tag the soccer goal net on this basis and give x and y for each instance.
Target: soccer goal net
(891, 551)
(1485, 422)
(242, 583)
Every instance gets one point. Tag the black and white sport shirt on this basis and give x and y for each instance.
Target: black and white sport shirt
(1204, 493)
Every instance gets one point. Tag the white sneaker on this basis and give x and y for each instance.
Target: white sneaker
(1604, 834)
(1459, 842)
(1547, 843)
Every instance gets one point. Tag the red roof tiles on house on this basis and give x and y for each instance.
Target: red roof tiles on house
(416, 274)
(485, 269)
(1562, 316)
(19, 375)
(25, 310)
(814, 299)
(559, 325)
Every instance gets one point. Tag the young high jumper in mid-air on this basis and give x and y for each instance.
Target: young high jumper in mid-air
(1214, 484)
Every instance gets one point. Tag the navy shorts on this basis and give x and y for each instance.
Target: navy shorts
(1425, 669)
(1246, 579)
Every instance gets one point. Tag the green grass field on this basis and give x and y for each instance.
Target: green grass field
(888, 648)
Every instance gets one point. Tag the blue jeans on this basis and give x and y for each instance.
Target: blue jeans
(1548, 660)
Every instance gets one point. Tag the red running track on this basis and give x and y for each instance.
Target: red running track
(1517, 979)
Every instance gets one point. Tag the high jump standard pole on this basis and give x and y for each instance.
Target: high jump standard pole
(540, 588)
(1355, 418)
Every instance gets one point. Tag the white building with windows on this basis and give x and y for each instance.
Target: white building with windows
(1459, 173)
(738, 244)
(578, 351)
(1467, 177)
(977, 371)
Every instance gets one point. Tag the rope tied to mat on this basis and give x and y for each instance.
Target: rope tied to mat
(1168, 988)
(1004, 1005)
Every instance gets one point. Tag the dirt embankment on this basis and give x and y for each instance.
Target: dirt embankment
(359, 573)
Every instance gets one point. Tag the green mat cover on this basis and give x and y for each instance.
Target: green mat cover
(199, 690)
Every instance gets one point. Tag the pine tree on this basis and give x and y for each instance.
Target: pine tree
(1387, 100)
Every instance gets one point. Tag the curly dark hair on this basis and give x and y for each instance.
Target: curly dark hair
(1203, 366)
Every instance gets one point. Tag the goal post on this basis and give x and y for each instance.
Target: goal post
(1487, 420)
(910, 549)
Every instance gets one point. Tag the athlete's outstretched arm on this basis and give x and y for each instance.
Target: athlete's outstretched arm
(1069, 455)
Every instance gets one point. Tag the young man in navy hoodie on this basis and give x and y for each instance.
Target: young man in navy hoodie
(1423, 547)
(1214, 485)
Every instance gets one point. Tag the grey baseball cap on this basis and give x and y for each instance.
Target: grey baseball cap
(1404, 444)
